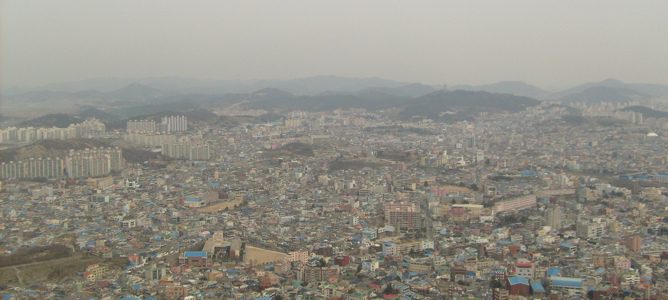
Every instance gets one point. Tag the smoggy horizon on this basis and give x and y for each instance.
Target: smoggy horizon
(550, 45)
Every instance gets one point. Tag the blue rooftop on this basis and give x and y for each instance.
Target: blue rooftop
(537, 287)
(518, 280)
(553, 271)
(566, 282)
(194, 254)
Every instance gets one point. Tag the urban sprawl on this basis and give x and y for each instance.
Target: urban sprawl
(343, 204)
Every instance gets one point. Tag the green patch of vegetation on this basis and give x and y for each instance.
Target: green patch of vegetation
(35, 254)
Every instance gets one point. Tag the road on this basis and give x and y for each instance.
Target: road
(17, 272)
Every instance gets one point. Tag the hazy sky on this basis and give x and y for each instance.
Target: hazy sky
(548, 43)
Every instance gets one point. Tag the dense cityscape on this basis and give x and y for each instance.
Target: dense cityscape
(334, 150)
(342, 204)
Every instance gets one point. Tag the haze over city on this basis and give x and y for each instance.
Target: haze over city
(553, 44)
(339, 150)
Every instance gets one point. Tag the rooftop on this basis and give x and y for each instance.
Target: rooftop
(537, 287)
(194, 254)
(518, 280)
(567, 282)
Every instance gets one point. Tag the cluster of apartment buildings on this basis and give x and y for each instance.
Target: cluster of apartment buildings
(89, 128)
(84, 163)
(186, 150)
(167, 124)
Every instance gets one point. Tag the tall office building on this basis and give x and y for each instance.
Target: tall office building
(553, 217)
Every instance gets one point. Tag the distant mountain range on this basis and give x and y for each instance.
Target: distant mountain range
(609, 90)
(516, 88)
(441, 105)
(612, 90)
(598, 94)
(300, 86)
(437, 105)
(116, 100)
(639, 88)
(171, 89)
(463, 105)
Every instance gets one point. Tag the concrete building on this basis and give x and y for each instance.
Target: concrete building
(515, 204)
(318, 274)
(141, 126)
(633, 243)
(149, 139)
(90, 128)
(403, 215)
(566, 286)
(590, 230)
(187, 151)
(553, 217)
(168, 124)
(93, 162)
(171, 124)
(33, 168)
